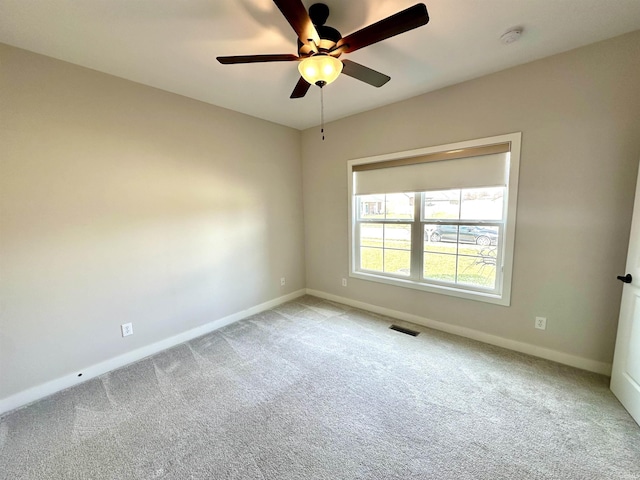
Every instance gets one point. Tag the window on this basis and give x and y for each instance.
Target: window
(440, 219)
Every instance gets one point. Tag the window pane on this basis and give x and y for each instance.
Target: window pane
(479, 235)
(440, 267)
(371, 206)
(397, 262)
(475, 248)
(464, 234)
(478, 271)
(482, 203)
(442, 204)
(385, 248)
(439, 238)
(397, 236)
(399, 206)
(371, 234)
(371, 258)
(444, 233)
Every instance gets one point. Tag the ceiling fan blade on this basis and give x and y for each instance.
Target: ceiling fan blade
(364, 74)
(301, 89)
(285, 57)
(298, 18)
(412, 17)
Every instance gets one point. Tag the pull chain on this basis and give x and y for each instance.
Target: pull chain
(322, 112)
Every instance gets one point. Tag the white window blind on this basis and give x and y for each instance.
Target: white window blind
(424, 173)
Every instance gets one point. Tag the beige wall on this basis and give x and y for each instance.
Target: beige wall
(579, 114)
(123, 203)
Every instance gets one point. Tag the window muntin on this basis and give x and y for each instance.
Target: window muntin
(385, 248)
(385, 232)
(390, 206)
(461, 254)
(474, 257)
(465, 204)
(460, 246)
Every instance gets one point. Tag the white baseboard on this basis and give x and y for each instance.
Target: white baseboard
(536, 351)
(38, 392)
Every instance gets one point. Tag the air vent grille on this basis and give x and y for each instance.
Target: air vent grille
(407, 331)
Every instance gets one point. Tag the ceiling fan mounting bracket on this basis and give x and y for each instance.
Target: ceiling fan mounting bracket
(329, 36)
(318, 13)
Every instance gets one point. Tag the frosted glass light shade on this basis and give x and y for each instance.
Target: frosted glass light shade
(320, 69)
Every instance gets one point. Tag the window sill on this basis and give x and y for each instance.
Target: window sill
(440, 289)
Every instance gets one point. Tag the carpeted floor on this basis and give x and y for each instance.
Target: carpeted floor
(317, 390)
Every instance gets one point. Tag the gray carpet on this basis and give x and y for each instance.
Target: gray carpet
(317, 390)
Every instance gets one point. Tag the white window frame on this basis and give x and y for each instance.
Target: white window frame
(501, 295)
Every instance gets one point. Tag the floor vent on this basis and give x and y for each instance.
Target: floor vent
(397, 328)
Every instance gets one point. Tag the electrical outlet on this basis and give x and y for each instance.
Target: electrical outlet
(344, 282)
(127, 329)
(283, 282)
(541, 323)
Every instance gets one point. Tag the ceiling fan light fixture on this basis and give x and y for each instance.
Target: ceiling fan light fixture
(320, 69)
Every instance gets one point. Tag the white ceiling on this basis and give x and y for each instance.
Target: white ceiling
(172, 45)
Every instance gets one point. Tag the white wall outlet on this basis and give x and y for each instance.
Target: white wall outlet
(283, 282)
(127, 329)
(344, 282)
(541, 323)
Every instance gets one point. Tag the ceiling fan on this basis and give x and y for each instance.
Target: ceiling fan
(320, 46)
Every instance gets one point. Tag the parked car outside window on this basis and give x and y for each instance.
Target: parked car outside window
(478, 235)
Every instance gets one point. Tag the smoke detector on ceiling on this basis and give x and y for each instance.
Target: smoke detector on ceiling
(511, 36)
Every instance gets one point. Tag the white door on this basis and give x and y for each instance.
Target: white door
(625, 377)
